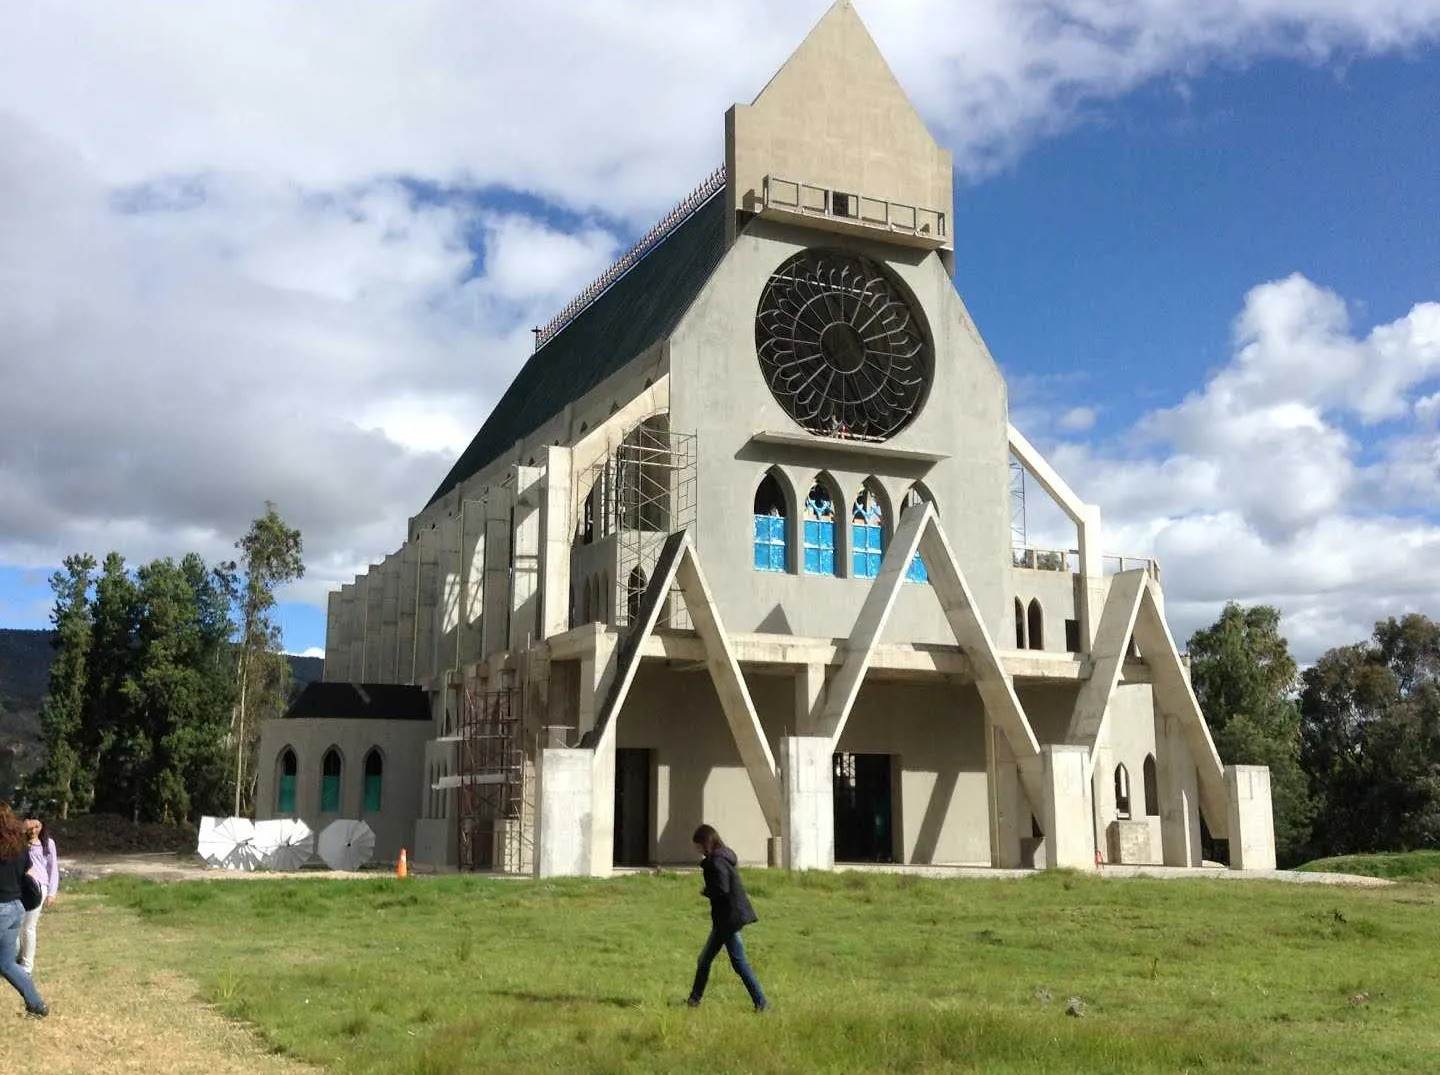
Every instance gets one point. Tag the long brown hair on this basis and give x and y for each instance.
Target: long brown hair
(706, 837)
(13, 840)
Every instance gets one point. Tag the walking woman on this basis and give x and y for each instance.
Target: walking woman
(14, 863)
(730, 912)
(45, 868)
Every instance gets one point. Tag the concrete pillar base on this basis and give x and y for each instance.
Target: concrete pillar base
(566, 790)
(1068, 812)
(1251, 817)
(807, 803)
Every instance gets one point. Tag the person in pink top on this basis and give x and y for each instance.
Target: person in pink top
(45, 868)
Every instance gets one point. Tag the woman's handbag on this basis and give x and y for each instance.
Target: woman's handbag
(31, 894)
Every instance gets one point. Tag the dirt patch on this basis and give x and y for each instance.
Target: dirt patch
(112, 1012)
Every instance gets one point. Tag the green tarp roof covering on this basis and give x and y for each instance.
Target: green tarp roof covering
(639, 310)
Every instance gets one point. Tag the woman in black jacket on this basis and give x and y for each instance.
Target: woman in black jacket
(730, 912)
(14, 861)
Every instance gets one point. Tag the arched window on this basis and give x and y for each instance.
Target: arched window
(1122, 792)
(867, 535)
(819, 537)
(1019, 624)
(587, 519)
(1152, 787)
(1036, 625)
(771, 552)
(374, 779)
(330, 770)
(287, 772)
(917, 495)
(635, 593)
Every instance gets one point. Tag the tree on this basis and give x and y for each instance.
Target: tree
(1244, 679)
(1371, 739)
(106, 748)
(271, 555)
(62, 712)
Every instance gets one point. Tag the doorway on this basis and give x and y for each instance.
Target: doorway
(632, 806)
(863, 815)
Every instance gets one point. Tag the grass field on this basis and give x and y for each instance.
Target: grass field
(867, 972)
(1400, 865)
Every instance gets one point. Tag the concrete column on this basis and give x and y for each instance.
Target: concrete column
(565, 793)
(1179, 793)
(557, 529)
(427, 601)
(472, 581)
(495, 624)
(362, 624)
(594, 675)
(1069, 818)
(525, 558)
(1093, 586)
(602, 807)
(807, 796)
(447, 609)
(405, 629)
(1009, 810)
(1102, 793)
(390, 620)
(333, 615)
(374, 623)
(348, 630)
(809, 698)
(1252, 819)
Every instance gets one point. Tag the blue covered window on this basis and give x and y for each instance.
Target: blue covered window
(819, 532)
(867, 536)
(916, 571)
(330, 782)
(374, 781)
(771, 551)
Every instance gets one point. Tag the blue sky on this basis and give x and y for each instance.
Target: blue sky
(1199, 239)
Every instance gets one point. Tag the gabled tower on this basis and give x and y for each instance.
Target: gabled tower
(834, 140)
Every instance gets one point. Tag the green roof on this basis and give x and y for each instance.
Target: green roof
(639, 310)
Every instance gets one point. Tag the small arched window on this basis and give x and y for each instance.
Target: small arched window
(771, 551)
(587, 519)
(374, 779)
(1122, 792)
(1152, 788)
(819, 536)
(1036, 624)
(867, 535)
(1019, 624)
(331, 769)
(287, 772)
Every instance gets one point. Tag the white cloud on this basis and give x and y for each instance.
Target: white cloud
(1261, 488)
(1077, 419)
(293, 251)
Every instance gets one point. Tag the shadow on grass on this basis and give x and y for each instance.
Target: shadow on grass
(564, 999)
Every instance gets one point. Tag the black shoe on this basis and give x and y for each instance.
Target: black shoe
(761, 1009)
(38, 1013)
(692, 1002)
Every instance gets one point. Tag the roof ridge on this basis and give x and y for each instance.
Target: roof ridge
(683, 211)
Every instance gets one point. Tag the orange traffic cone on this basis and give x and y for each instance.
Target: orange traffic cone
(402, 868)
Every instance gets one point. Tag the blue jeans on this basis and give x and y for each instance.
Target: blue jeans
(12, 914)
(733, 945)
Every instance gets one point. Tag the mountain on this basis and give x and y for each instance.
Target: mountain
(25, 658)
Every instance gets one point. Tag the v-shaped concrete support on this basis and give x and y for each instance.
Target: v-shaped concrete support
(1107, 659)
(920, 531)
(678, 564)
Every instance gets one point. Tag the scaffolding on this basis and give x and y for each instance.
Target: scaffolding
(494, 783)
(640, 495)
(1018, 522)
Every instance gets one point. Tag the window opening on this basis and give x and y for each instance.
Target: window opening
(1152, 787)
(330, 770)
(285, 786)
(1122, 792)
(374, 779)
(1036, 625)
(1019, 624)
(916, 571)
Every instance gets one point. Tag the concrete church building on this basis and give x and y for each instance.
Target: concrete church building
(738, 545)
